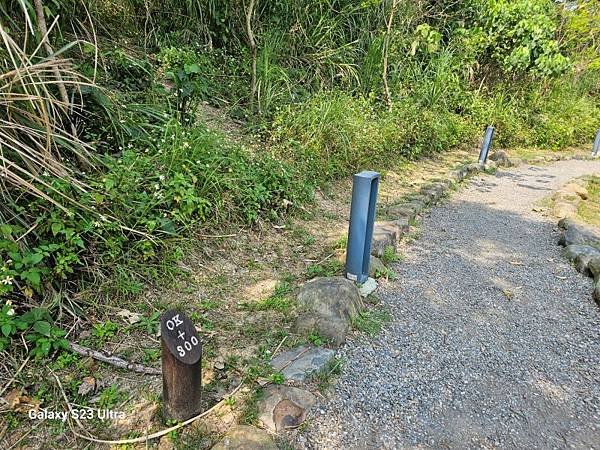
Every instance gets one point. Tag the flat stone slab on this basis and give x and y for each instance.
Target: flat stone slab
(368, 287)
(284, 407)
(297, 364)
(244, 437)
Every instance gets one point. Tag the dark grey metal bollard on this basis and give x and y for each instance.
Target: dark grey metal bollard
(487, 144)
(362, 221)
(596, 148)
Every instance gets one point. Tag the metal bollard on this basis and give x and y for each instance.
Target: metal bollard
(362, 221)
(487, 144)
(596, 148)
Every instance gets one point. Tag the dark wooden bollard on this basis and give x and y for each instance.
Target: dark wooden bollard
(181, 367)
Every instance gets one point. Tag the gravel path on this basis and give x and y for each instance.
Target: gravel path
(494, 342)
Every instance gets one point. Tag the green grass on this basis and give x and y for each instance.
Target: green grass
(390, 255)
(325, 377)
(371, 321)
(327, 269)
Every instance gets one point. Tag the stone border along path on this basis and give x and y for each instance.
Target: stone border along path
(494, 339)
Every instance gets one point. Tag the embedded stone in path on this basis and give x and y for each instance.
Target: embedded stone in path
(406, 210)
(376, 267)
(244, 437)
(329, 305)
(474, 168)
(387, 234)
(297, 364)
(459, 174)
(434, 191)
(284, 407)
(501, 158)
(594, 267)
(582, 255)
(575, 233)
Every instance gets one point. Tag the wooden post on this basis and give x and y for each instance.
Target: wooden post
(181, 367)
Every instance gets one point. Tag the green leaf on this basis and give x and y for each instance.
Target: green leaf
(33, 276)
(56, 227)
(42, 328)
(35, 258)
(192, 68)
(7, 329)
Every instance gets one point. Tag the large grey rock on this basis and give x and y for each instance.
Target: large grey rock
(376, 267)
(582, 255)
(329, 305)
(575, 233)
(244, 437)
(283, 407)
(297, 364)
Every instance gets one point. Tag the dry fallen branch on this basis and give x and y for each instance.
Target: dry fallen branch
(113, 360)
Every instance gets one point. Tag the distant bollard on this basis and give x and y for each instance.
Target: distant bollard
(362, 221)
(487, 144)
(596, 148)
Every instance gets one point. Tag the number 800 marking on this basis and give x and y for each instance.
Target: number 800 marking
(187, 346)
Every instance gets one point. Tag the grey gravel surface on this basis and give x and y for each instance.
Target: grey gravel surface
(494, 341)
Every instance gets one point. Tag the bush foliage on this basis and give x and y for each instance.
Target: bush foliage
(100, 185)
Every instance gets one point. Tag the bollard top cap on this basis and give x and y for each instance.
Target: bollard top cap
(368, 174)
(179, 335)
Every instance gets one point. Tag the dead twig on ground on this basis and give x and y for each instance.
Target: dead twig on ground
(113, 360)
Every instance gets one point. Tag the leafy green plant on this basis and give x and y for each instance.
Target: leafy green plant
(390, 255)
(104, 331)
(181, 67)
(316, 339)
(386, 273)
(521, 36)
(37, 327)
(277, 378)
(110, 397)
(149, 323)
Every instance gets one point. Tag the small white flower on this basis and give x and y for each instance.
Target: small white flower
(7, 280)
(10, 312)
(161, 177)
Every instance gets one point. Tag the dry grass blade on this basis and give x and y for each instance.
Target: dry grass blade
(36, 136)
